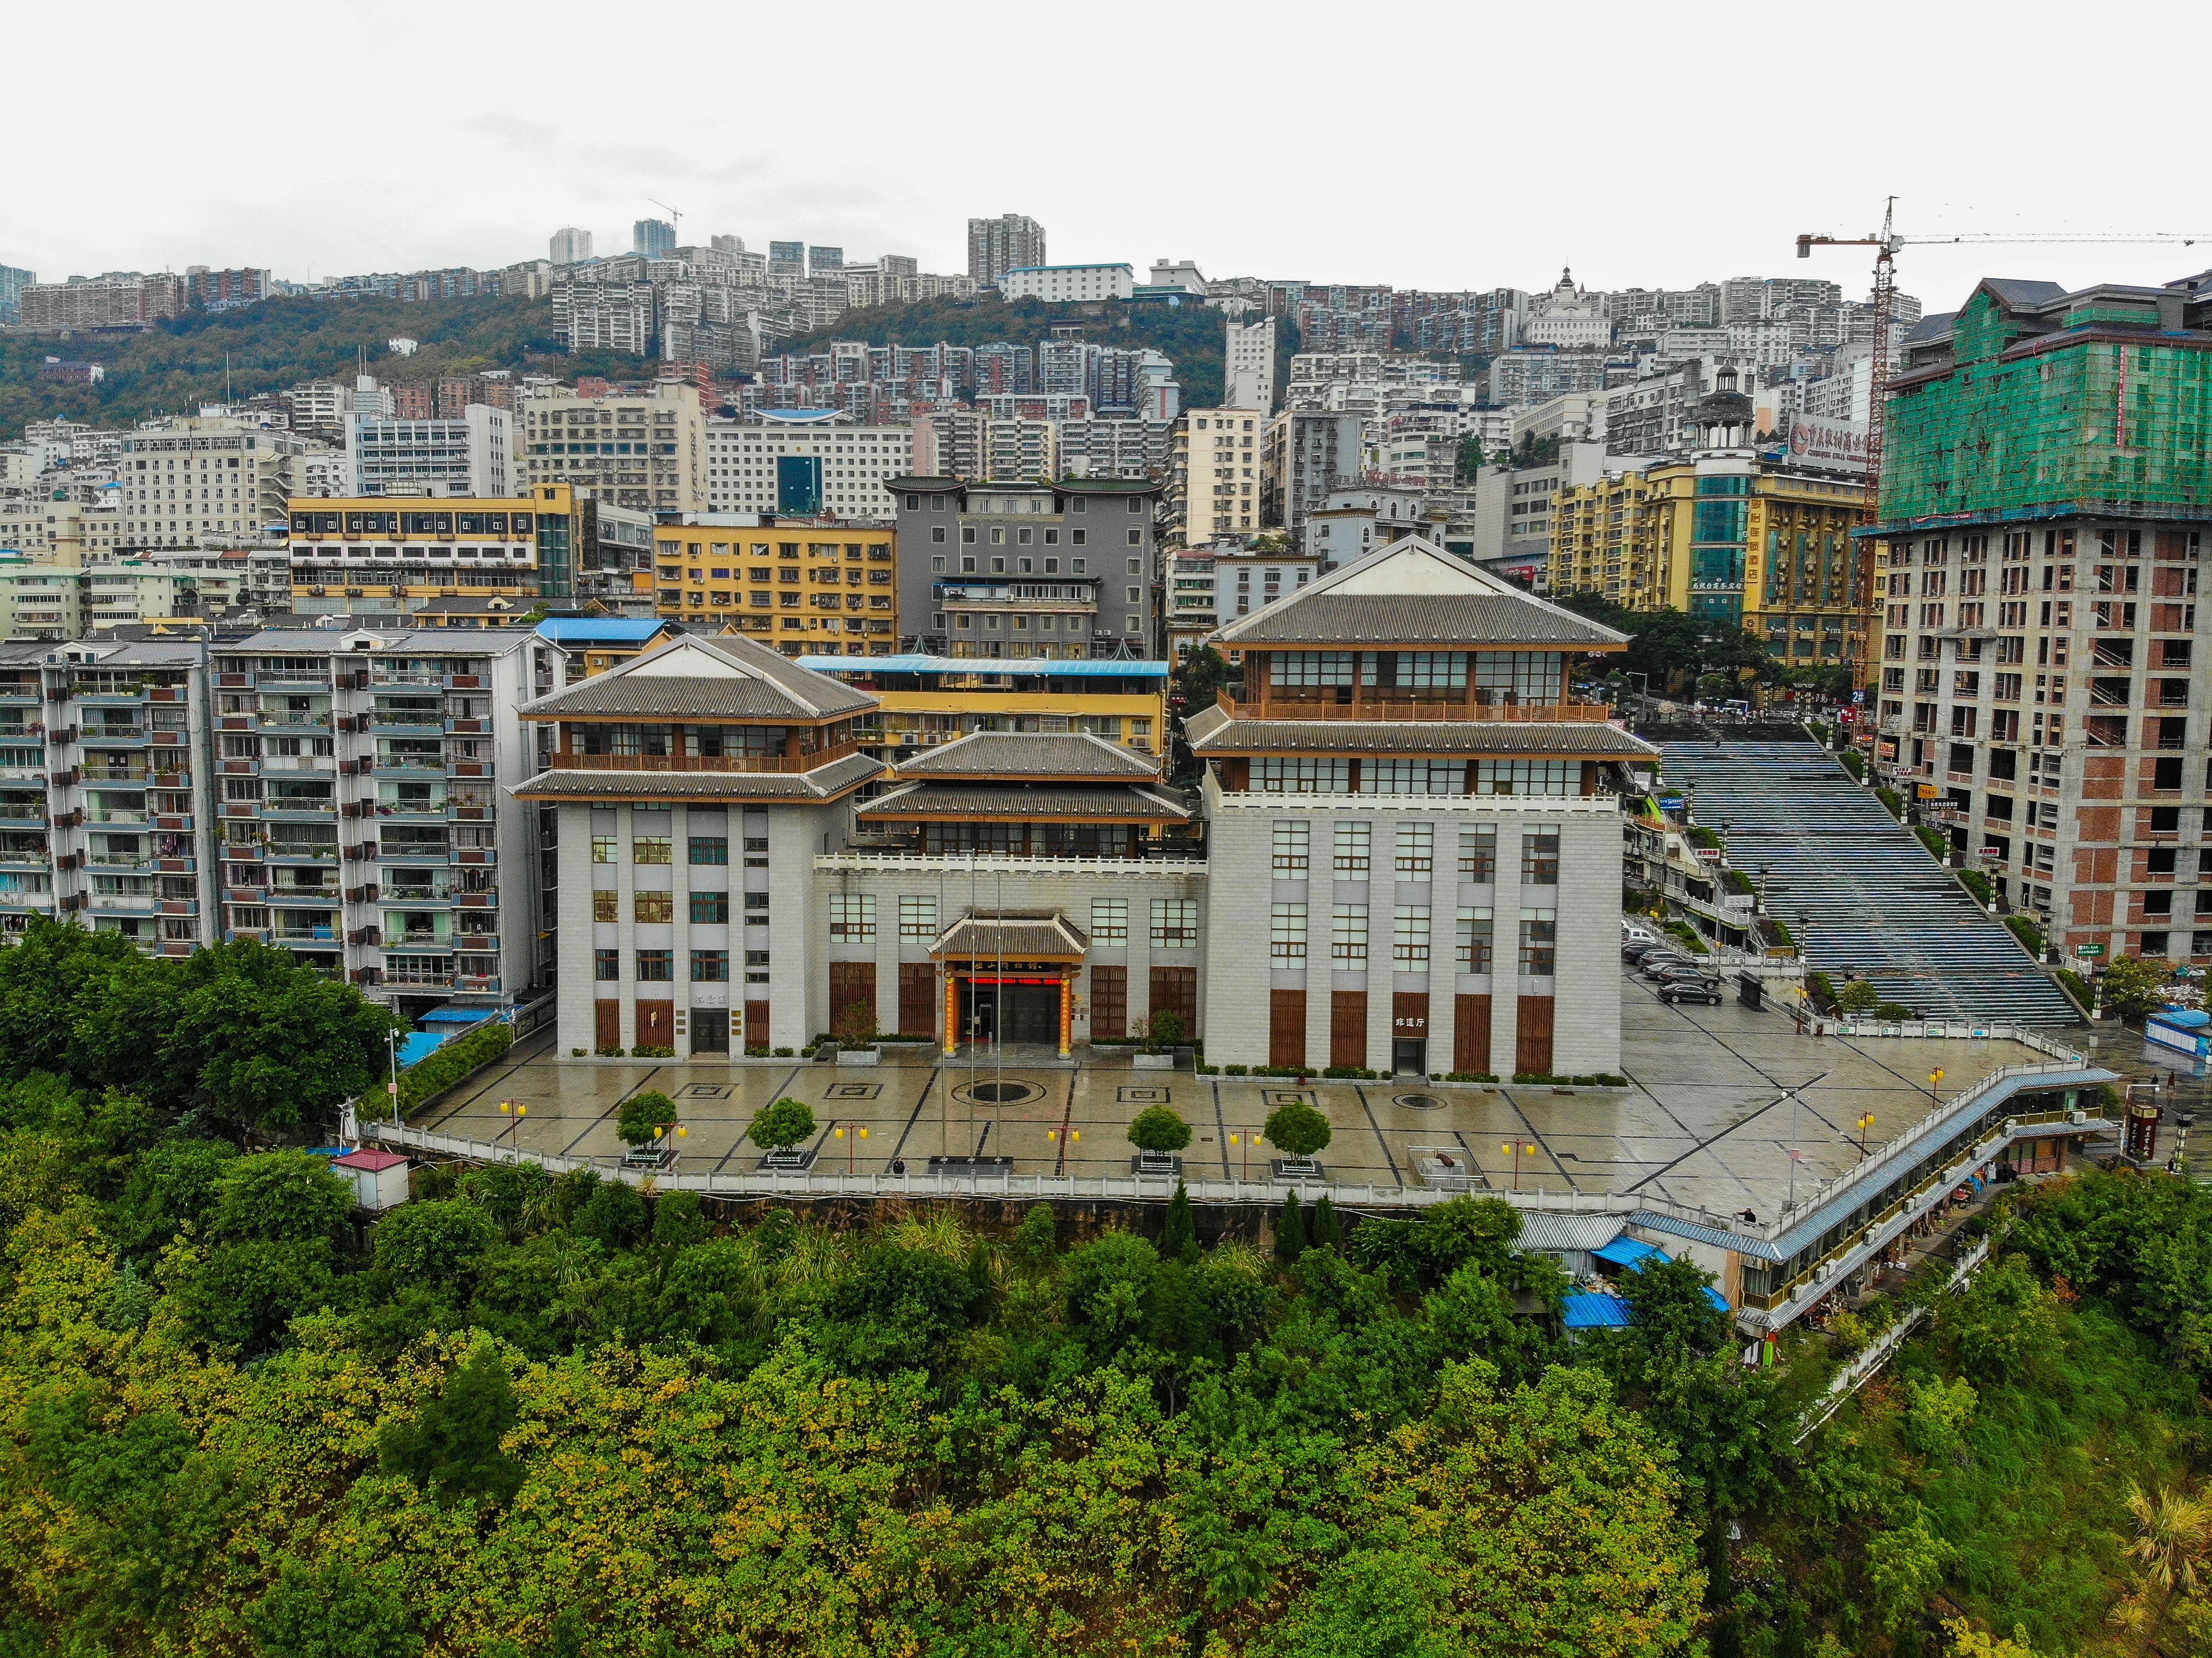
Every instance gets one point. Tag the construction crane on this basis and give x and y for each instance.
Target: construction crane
(1886, 246)
(676, 220)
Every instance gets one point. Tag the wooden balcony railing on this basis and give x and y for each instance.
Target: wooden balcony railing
(1360, 707)
(567, 759)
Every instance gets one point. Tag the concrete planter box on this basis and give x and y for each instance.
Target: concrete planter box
(860, 1056)
(1152, 1061)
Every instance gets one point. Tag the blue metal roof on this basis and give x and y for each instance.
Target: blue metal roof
(1084, 668)
(1594, 1311)
(581, 629)
(455, 1016)
(1626, 1251)
(419, 1045)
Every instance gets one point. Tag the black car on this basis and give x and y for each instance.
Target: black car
(1689, 990)
(1638, 949)
(1688, 970)
(1654, 965)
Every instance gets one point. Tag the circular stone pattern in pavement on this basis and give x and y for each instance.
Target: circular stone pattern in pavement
(1418, 1102)
(996, 1093)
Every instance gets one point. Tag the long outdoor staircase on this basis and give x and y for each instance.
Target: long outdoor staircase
(1855, 887)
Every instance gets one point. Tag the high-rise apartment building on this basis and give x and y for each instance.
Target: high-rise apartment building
(2040, 676)
(654, 237)
(1008, 242)
(857, 462)
(1215, 487)
(648, 451)
(1248, 366)
(471, 452)
(198, 479)
(824, 261)
(571, 245)
(1067, 284)
(13, 282)
(786, 259)
(1308, 453)
(121, 300)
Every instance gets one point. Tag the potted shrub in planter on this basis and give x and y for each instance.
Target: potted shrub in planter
(646, 1123)
(1300, 1131)
(782, 1131)
(855, 1027)
(1158, 1133)
(1162, 1032)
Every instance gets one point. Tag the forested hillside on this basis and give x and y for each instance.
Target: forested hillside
(177, 366)
(526, 1414)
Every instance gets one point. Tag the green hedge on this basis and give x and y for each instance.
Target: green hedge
(1597, 1080)
(1739, 882)
(1690, 936)
(1890, 797)
(1701, 836)
(1977, 883)
(1853, 762)
(2076, 988)
(1938, 845)
(439, 1070)
(1822, 989)
(2027, 932)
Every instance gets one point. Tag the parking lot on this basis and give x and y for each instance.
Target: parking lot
(1717, 1097)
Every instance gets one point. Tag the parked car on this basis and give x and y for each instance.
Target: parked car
(1632, 934)
(1689, 990)
(1636, 950)
(1689, 975)
(1652, 967)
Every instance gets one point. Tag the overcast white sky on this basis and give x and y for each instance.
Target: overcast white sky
(1435, 145)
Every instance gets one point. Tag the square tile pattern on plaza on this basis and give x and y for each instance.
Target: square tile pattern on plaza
(1708, 1118)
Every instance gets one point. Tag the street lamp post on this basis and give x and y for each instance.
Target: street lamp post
(516, 1109)
(860, 1132)
(391, 1082)
(1934, 1077)
(1247, 1141)
(1516, 1150)
(1053, 1136)
(1866, 1121)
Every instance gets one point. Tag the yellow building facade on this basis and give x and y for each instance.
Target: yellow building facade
(404, 550)
(819, 587)
(1725, 538)
(930, 701)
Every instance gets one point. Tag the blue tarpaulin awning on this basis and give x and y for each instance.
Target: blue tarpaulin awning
(1594, 1310)
(1626, 1251)
(418, 1045)
(456, 1016)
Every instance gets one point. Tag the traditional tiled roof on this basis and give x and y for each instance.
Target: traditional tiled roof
(826, 782)
(1026, 805)
(1563, 740)
(1412, 592)
(1015, 934)
(1058, 755)
(722, 676)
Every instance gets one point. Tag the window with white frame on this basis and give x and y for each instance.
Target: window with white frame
(1286, 933)
(1293, 668)
(1540, 855)
(852, 915)
(1292, 845)
(1475, 937)
(917, 915)
(1355, 845)
(1175, 923)
(1414, 777)
(1417, 851)
(1409, 937)
(1347, 933)
(1520, 676)
(1110, 920)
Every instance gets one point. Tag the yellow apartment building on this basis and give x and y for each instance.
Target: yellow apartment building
(808, 586)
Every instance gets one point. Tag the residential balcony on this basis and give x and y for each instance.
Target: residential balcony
(114, 732)
(144, 903)
(312, 935)
(317, 851)
(566, 760)
(1278, 705)
(428, 980)
(280, 720)
(137, 775)
(306, 762)
(323, 896)
(121, 860)
(117, 815)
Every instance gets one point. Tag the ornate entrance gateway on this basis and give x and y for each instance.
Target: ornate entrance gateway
(1010, 976)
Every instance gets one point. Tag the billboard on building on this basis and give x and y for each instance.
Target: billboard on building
(1829, 445)
(798, 484)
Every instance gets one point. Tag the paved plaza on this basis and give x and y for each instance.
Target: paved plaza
(1708, 1119)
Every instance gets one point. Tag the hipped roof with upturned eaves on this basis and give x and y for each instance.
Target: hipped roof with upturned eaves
(1032, 756)
(1413, 595)
(699, 676)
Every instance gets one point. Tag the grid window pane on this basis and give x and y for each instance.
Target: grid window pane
(710, 908)
(1409, 937)
(605, 849)
(710, 967)
(1478, 853)
(1286, 933)
(1110, 920)
(649, 849)
(1281, 774)
(1540, 929)
(918, 915)
(1355, 845)
(1474, 940)
(653, 905)
(656, 965)
(606, 965)
(1292, 844)
(710, 849)
(1417, 850)
(1175, 923)
(606, 907)
(852, 915)
(1540, 856)
(1347, 933)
